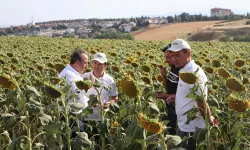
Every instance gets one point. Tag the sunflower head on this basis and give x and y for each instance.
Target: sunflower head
(216, 63)
(129, 87)
(134, 64)
(223, 73)
(209, 70)
(50, 65)
(146, 80)
(234, 84)
(115, 69)
(159, 78)
(7, 82)
(151, 125)
(131, 73)
(59, 67)
(84, 84)
(113, 54)
(146, 68)
(246, 80)
(188, 77)
(239, 63)
(52, 91)
(238, 104)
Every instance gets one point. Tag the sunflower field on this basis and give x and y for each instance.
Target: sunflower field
(33, 100)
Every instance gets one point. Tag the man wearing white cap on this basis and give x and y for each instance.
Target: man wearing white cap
(181, 56)
(99, 63)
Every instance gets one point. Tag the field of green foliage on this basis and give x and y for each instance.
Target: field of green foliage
(31, 95)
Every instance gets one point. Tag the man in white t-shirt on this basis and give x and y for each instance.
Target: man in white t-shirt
(72, 73)
(99, 63)
(181, 56)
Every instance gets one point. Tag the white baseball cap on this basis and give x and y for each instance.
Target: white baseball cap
(179, 44)
(101, 57)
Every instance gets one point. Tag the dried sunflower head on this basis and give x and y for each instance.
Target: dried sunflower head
(239, 63)
(159, 78)
(52, 91)
(246, 80)
(84, 84)
(238, 104)
(188, 77)
(146, 68)
(150, 124)
(134, 64)
(223, 73)
(146, 80)
(7, 82)
(59, 67)
(234, 84)
(115, 69)
(209, 70)
(216, 63)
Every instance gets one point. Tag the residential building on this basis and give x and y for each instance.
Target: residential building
(220, 12)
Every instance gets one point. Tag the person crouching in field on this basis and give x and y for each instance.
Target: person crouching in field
(180, 52)
(170, 83)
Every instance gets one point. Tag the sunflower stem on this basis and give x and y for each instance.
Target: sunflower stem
(163, 145)
(144, 144)
(68, 130)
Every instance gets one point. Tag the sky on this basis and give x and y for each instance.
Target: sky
(21, 12)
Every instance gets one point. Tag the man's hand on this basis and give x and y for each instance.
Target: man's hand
(171, 98)
(213, 121)
(161, 95)
(164, 72)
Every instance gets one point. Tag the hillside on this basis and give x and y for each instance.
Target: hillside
(172, 31)
(224, 31)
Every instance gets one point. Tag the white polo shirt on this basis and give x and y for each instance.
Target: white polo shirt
(72, 76)
(184, 104)
(105, 94)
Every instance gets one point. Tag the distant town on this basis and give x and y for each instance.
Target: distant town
(94, 28)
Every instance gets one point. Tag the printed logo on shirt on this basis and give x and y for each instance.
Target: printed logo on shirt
(173, 77)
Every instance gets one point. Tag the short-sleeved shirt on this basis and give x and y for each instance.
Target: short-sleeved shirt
(72, 76)
(106, 80)
(184, 104)
(172, 80)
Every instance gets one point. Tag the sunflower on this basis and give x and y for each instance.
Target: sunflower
(84, 85)
(209, 70)
(239, 63)
(216, 63)
(188, 77)
(115, 69)
(146, 68)
(131, 73)
(150, 124)
(52, 91)
(238, 104)
(7, 82)
(235, 85)
(246, 80)
(223, 73)
(59, 67)
(159, 78)
(129, 87)
(134, 64)
(146, 80)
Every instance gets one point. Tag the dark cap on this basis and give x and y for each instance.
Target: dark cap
(166, 47)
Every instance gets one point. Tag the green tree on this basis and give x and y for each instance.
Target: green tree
(170, 19)
(184, 16)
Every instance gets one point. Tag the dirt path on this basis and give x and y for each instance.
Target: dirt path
(173, 31)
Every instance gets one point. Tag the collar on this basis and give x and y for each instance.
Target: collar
(188, 65)
(73, 70)
(96, 77)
